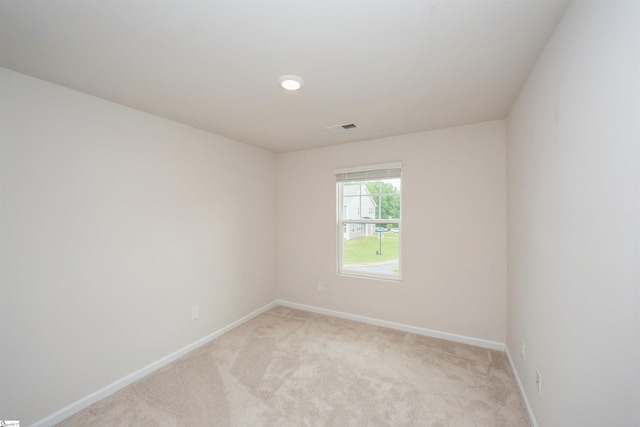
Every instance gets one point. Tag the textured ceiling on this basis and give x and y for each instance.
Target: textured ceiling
(392, 67)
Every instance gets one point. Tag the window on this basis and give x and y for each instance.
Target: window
(369, 243)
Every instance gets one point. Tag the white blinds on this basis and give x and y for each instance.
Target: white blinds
(369, 173)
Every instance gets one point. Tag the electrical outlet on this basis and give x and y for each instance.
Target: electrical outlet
(195, 313)
(522, 350)
(321, 286)
(539, 382)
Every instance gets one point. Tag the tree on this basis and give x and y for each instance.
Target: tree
(387, 198)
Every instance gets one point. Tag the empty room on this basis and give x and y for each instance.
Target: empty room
(320, 213)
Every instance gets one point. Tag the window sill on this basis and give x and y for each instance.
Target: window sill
(378, 278)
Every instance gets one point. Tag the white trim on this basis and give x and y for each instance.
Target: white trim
(492, 345)
(134, 376)
(372, 221)
(381, 166)
(532, 418)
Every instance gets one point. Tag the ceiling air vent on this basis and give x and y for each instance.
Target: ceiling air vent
(341, 128)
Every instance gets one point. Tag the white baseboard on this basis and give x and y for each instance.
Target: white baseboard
(532, 418)
(493, 345)
(133, 377)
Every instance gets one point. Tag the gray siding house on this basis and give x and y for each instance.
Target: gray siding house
(358, 204)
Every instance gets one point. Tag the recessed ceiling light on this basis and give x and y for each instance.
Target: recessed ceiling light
(290, 82)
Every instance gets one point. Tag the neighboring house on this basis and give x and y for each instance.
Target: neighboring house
(358, 204)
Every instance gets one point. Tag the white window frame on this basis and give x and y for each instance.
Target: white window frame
(365, 173)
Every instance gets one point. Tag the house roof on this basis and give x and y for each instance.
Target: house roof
(351, 191)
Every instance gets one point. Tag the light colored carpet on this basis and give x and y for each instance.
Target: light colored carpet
(294, 368)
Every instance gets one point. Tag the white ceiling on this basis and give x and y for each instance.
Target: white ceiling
(392, 67)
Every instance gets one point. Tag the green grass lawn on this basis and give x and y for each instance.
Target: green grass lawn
(363, 250)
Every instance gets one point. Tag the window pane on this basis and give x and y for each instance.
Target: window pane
(371, 199)
(371, 250)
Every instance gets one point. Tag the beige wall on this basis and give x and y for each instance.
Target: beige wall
(453, 240)
(114, 224)
(574, 221)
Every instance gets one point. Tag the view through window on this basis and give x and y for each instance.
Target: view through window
(369, 221)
